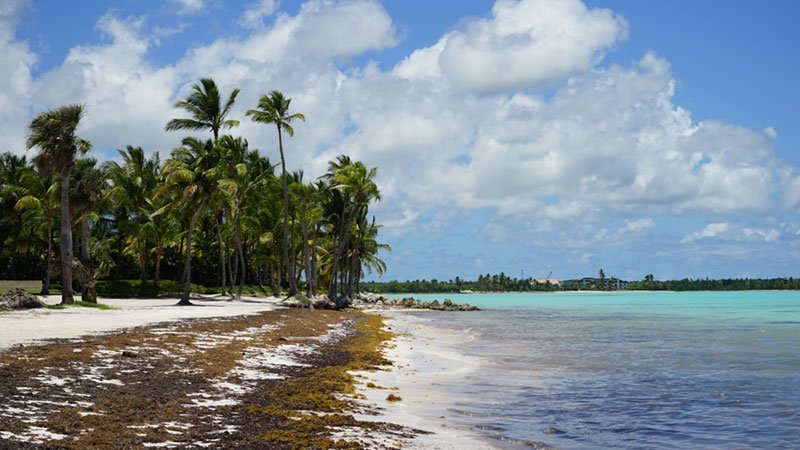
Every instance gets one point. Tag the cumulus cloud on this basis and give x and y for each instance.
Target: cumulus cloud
(16, 61)
(127, 100)
(255, 13)
(524, 44)
(712, 230)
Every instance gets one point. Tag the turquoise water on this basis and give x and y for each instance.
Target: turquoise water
(631, 370)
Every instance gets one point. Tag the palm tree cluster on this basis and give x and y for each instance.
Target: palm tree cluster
(215, 200)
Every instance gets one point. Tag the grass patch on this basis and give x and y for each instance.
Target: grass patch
(81, 304)
(393, 398)
(92, 305)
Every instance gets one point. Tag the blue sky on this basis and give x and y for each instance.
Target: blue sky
(530, 136)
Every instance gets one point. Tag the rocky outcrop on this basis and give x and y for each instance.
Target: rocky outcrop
(369, 300)
(16, 298)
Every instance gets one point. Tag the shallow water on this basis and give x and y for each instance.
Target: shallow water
(631, 370)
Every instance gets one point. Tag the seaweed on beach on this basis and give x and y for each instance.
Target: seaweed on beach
(185, 385)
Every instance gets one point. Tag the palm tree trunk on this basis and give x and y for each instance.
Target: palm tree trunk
(338, 256)
(143, 262)
(187, 265)
(223, 281)
(233, 263)
(66, 242)
(306, 254)
(49, 264)
(157, 275)
(118, 256)
(88, 289)
(314, 261)
(275, 277)
(237, 241)
(288, 264)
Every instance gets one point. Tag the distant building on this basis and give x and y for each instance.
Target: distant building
(600, 284)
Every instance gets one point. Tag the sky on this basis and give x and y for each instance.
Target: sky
(532, 137)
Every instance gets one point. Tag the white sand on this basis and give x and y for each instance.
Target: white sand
(423, 357)
(28, 326)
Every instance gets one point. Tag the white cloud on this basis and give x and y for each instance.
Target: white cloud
(771, 132)
(16, 61)
(525, 44)
(127, 100)
(255, 13)
(766, 235)
(189, 6)
(712, 230)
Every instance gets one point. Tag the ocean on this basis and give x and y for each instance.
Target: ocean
(628, 370)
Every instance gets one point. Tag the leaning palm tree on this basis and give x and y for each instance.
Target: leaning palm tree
(205, 106)
(192, 175)
(53, 132)
(274, 108)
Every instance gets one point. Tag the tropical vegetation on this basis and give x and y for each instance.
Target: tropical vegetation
(503, 283)
(213, 212)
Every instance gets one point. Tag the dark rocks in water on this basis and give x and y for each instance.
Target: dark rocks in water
(377, 301)
(552, 430)
(16, 298)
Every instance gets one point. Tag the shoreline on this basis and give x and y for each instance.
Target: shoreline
(242, 352)
(423, 359)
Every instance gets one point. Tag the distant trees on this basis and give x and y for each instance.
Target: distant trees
(501, 283)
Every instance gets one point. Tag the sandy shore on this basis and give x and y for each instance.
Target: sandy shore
(423, 358)
(29, 326)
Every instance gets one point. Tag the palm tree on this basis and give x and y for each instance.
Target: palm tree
(274, 108)
(38, 207)
(12, 189)
(249, 174)
(368, 248)
(205, 106)
(53, 132)
(192, 175)
(133, 184)
(353, 188)
(88, 189)
(305, 197)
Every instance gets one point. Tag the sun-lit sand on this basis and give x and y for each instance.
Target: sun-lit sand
(27, 326)
(421, 361)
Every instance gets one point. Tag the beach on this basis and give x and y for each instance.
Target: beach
(240, 374)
